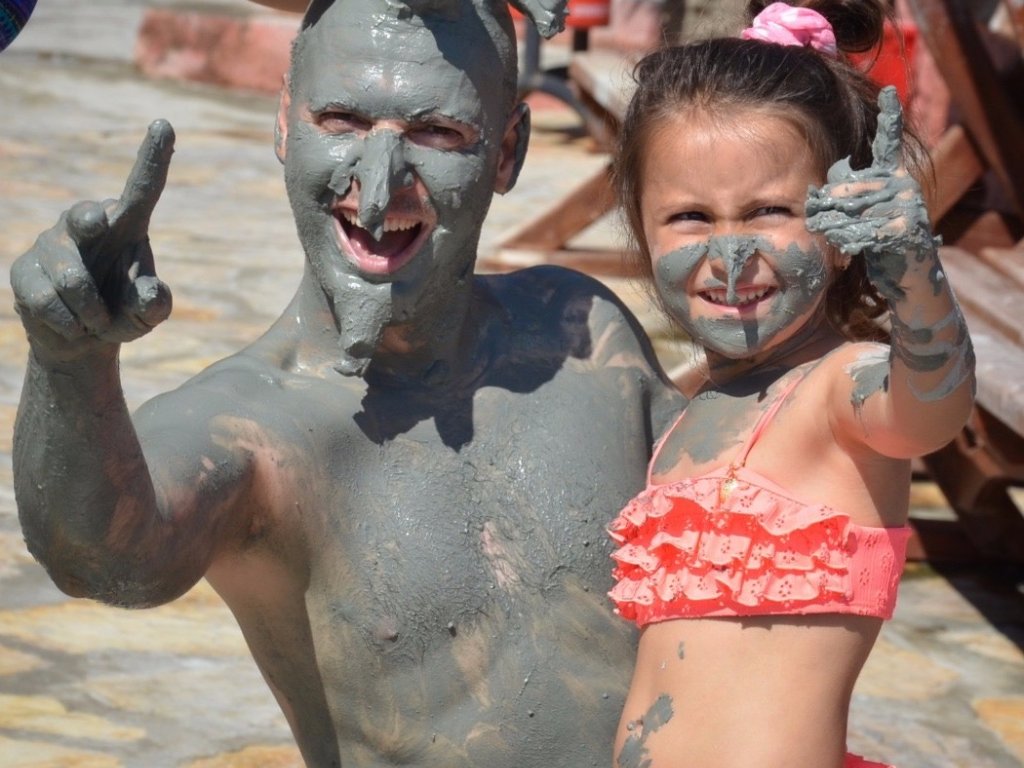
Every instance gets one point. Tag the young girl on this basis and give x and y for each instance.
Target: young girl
(766, 550)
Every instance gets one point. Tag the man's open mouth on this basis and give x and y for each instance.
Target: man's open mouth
(400, 240)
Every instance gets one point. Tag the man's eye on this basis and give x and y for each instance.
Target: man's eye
(339, 120)
(438, 136)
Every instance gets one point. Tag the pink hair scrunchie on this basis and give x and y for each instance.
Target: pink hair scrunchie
(784, 24)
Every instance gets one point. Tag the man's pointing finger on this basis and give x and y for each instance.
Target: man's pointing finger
(146, 181)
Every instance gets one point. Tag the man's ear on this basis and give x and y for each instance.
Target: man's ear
(513, 149)
(281, 126)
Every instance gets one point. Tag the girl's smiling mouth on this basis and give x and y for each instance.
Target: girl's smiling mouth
(745, 298)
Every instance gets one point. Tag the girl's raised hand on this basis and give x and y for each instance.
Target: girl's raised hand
(912, 398)
(878, 211)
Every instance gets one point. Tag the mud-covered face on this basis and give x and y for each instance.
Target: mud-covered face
(723, 216)
(391, 137)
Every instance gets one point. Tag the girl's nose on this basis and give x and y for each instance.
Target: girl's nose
(729, 255)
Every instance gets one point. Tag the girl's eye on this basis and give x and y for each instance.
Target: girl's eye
(771, 210)
(688, 216)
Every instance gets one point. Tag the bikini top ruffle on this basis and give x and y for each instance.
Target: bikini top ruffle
(731, 544)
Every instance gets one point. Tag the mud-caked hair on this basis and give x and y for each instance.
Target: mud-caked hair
(492, 15)
(829, 101)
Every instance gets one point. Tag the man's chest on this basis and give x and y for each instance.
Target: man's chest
(414, 526)
(512, 500)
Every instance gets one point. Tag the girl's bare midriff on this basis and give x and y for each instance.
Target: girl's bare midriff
(765, 691)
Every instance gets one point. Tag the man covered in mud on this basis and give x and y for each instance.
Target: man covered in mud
(400, 490)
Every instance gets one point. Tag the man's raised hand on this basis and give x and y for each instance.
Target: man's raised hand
(547, 15)
(90, 281)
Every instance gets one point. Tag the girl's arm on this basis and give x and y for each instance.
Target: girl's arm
(914, 396)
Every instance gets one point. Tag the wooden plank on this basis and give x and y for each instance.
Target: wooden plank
(974, 229)
(987, 514)
(1008, 262)
(940, 541)
(985, 293)
(1000, 374)
(602, 79)
(989, 112)
(605, 76)
(573, 213)
(958, 168)
(603, 263)
(993, 311)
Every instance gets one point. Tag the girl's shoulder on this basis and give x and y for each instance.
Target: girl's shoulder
(848, 373)
(852, 360)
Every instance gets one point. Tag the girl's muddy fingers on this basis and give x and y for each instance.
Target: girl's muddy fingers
(843, 238)
(887, 148)
(857, 203)
(825, 221)
(840, 171)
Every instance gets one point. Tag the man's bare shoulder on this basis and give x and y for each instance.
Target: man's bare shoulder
(577, 307)
(252, 385)
(553, 289)
(546, 277)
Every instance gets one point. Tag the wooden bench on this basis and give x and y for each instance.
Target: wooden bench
(980, 158)
(601, 78)
(976, 470)
(984, 74)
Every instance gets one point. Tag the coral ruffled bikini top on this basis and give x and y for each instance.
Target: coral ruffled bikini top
(733, 543)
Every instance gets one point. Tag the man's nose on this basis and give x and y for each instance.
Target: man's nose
(382, 170)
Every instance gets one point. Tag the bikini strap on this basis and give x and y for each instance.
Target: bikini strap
(661, 441)
(765, 420)
(759, 427)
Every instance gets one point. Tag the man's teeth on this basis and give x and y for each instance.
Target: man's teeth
(721, 295)
(391, 223)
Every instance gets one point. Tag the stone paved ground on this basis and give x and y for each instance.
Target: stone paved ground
(84, 686)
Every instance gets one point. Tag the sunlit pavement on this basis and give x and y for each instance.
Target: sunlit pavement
(86, 686)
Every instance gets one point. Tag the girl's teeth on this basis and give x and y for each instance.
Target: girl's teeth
(721, 296)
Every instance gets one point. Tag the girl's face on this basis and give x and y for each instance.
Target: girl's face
(722, 205)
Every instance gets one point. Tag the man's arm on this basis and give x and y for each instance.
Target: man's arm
(665, 399)
(89, 509)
